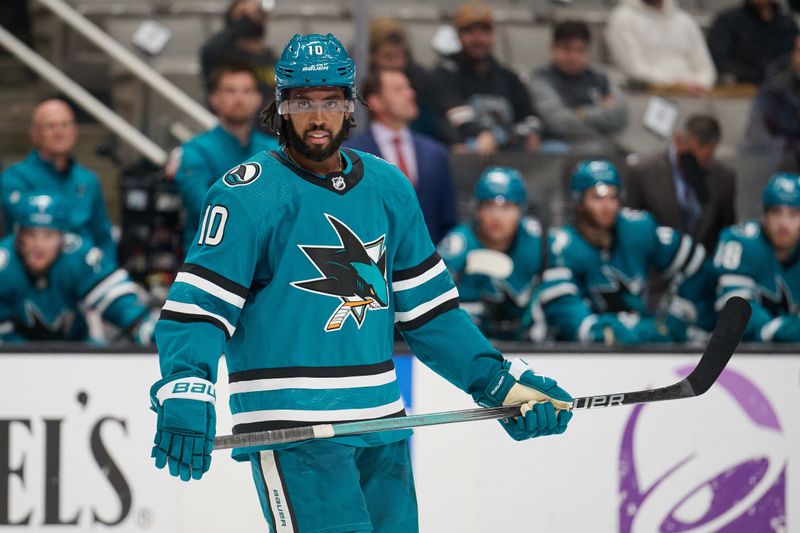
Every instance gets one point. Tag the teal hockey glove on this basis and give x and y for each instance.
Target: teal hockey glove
(186, 425)
(608, 329)
(649, 330)
(547, 406)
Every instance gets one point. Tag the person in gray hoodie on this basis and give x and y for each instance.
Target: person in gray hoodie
(578, 105)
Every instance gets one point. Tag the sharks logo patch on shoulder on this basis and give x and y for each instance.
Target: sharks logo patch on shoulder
(243, 174)
(354, 272)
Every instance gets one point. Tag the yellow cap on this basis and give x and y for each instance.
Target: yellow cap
(473, 13)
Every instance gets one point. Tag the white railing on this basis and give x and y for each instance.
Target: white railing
(83, 98)
(130, 61)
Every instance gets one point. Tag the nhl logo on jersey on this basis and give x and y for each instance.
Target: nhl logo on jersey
(243, 174)
(353, 272)
(338, 183)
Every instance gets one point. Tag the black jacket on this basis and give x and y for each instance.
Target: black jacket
(742, 44)
(455, 81)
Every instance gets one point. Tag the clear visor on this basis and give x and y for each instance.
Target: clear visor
(288, 107)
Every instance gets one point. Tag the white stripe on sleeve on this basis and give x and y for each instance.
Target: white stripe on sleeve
(770, 328)
(557, 273)
(95, 294)
(117, 291)
(736, 280)
(680, 256)
(416, 281)
(211, 288)
(421, 309)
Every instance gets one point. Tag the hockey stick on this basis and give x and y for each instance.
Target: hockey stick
(726, 336)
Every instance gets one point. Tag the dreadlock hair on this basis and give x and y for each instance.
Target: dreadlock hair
(278, 124)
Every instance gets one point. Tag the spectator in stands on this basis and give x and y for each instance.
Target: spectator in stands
(48, 278)
(236, 100)
(388, 49)
(656, 43)
(744, 40)
(578, 105)
(422, 159)
(760, 261)
(50, 168)
(484, 105)
(684, 187)
(496, 259)
(242, 40)
(595, 285)
(776, 110)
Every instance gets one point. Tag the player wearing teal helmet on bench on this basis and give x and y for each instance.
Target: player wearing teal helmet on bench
(595, 286)
(496, 259)
(759, 260)
(47, 276)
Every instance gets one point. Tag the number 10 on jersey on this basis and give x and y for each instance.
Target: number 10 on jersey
(213, 228)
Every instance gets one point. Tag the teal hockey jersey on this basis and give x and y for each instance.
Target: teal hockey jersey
(204, 159)
(582, 281)
(497, 296)
(300, 280)
(79, 188)
(746, 265)
(49, 307)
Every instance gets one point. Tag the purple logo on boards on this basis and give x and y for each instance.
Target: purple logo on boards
(726, 475)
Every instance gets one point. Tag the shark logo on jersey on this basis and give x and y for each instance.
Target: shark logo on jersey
(615, 295)
(38, 327)
(242, 175)
(353, 272)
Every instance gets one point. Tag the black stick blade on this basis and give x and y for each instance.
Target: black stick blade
(726, 337)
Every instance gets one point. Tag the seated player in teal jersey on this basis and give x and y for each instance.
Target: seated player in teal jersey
(760, 261)
(595, 285)
(496, 259)
(235, 98)
(305, 263)
(47, 276)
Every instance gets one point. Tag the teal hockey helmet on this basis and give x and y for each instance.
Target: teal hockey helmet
(41, 211)
(504, 183)
(314, 60)
(783, 188)
(593, 172)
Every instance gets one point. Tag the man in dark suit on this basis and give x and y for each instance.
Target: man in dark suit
(423, 160)
(684, 187)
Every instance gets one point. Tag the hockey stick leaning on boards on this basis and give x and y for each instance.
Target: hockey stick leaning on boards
(725, 338)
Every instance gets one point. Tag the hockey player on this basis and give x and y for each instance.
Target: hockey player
(47, 276)
(595, 285)
(760, 261)
(496, 259)
(305, 263)
(235, 99)
(50, 168)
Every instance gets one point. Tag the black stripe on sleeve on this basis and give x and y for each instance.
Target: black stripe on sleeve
(413, 272)
(428, 316)
(286, 424)
(188, 318)
(312, 372)
(216, 279)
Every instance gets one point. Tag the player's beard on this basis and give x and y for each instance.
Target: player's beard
(315, 153)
